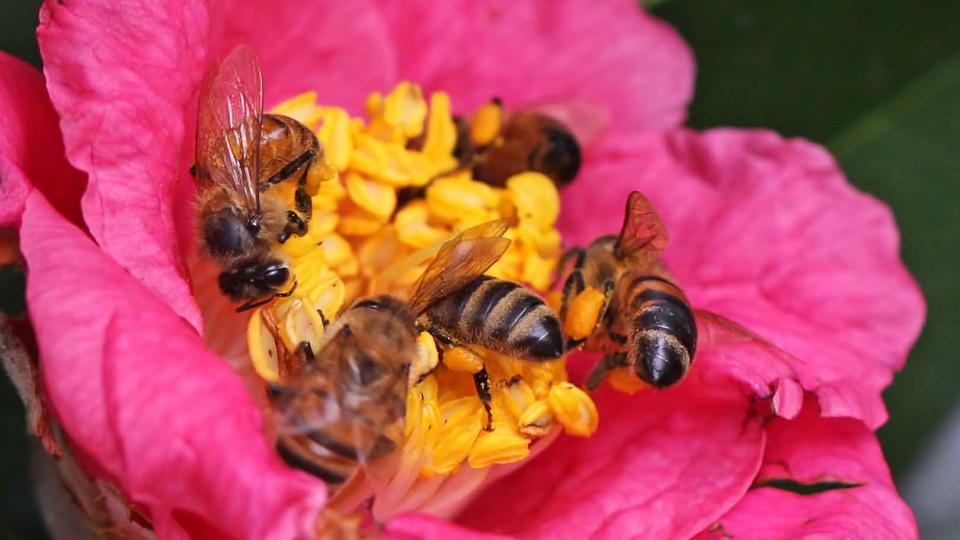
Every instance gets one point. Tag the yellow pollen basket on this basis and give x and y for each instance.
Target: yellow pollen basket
(398, 193)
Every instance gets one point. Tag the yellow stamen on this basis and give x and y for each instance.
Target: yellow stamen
(574, 409)
(363, 239)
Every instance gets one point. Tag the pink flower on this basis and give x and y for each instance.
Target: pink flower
(765, 232)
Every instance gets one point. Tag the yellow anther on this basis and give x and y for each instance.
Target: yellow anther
(486, 123)
(626, 381)
(498, 446)
(515, 396)
(458, 200)
(357, 221)
(336, 137)
(537, 419)
(263, 348)
(574, 409)
(462, 359)
(374, 197)
(535, 198)
(299, 323)
(302, 108)
(339, 255)
(582, 313)
(361, 242)
(427, 358)
(441, 137)
(413, 228)
(389, 162)
(404, 107)
(458, 435)
(323, 172)
(324, 291)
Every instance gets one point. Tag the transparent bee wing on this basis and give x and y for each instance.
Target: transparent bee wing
(718, 330)
(459, 261)
(229, 121)
(643, 234)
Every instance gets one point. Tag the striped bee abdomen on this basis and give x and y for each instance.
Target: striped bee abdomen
(665, 337)
(502, 316)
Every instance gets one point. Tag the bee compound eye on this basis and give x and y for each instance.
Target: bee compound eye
(276, 275)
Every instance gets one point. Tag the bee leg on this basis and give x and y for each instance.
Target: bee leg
(295, 225)
(608, 362)
(302, 199)
(481, 380)
(305, 353)
(573, 286)
(323, 318)
(254, 304)
(608, 287)
(575, 251)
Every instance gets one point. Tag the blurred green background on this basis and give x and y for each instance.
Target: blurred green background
(877, 82)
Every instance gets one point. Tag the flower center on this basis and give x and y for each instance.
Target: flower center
(398, 193)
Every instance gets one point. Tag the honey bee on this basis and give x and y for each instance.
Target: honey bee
(497, 146)
(619, 300)
(252, 172)
(342, 401)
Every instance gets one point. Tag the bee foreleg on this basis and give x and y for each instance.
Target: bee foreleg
(295, 225)
(608, 287)
(482, 381)
(608, 362)
(575, 251)
(573, 286)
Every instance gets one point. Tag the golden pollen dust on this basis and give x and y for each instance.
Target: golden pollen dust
(399, 199)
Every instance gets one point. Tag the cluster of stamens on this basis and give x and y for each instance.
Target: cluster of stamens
(399, 193)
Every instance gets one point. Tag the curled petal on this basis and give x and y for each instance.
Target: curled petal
(606, 54)
(767, 232)
(840, 456)
(662, 465)
(31, 150)
(119, 75)
(145, 403)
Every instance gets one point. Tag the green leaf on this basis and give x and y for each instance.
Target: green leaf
(906, 153)
(807, 68)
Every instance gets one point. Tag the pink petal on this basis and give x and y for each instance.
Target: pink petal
(119, 74)
(146, 403)
(810, 450)
(341, 50)
(662, 465)
(31, 150)
(768, 233)
(123, 76)
(610, 54)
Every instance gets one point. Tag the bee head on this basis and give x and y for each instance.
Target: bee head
(558, 153)
(228, 234)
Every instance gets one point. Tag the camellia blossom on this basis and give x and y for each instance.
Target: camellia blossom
(765, 232)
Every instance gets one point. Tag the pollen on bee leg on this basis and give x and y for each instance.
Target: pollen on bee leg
(462, 359)
(583, 312)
